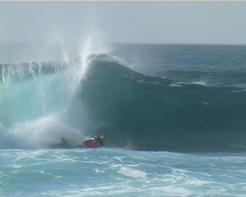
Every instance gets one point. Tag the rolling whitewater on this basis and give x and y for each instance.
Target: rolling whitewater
(173, 117)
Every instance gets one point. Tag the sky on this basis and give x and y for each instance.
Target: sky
(124, 22)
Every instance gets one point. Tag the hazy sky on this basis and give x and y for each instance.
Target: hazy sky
(163, 22)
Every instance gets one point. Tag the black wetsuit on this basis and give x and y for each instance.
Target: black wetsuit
(100, 141)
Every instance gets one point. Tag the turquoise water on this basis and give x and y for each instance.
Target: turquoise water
(118, 172)
(173, 116)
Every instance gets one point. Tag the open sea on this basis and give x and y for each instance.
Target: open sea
(174, 117)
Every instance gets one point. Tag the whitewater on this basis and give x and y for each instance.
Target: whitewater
(173, 115)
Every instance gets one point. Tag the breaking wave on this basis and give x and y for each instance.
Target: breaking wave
(148, 112)
(44, 103)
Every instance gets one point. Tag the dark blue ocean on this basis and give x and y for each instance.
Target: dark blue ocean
(173, 116)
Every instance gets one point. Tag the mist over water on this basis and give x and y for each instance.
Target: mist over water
(36, 97)
(176, 115)
(103, 91)
(173, 114)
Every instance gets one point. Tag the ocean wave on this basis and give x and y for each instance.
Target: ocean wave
(152, 114)
(132, 109)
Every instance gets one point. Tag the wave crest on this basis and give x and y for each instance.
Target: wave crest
(150, 113)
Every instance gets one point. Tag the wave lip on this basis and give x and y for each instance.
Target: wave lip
(29, 70)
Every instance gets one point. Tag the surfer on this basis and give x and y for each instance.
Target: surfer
(100, 140)
(94, 142)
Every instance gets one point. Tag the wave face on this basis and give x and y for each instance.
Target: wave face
(43, 103)
(151, 113)
(34, 100)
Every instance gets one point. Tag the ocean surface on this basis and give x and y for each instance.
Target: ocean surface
(173, 116)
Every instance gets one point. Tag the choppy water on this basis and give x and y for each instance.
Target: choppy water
(187, 102)
(117, 172)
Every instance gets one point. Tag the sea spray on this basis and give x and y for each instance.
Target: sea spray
(97, 94)
(137, 111)
(45, 132)
(37, 98)
(152, 114)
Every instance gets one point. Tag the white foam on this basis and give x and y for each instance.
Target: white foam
(45, 131)
(130, 172)
(49, 129)
(201, 82)
(176, 85)
(104, 190)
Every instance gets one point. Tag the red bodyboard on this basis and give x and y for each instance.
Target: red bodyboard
(90, 143)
